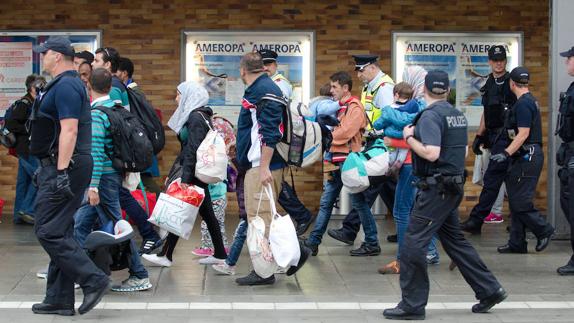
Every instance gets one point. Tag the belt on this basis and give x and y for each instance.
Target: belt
(48, 161)
(424, 182)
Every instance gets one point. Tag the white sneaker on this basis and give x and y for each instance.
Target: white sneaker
(158, 261)
(224, 268)
(76, 286)
(281, 270)
(42, 273)
(133, 284)
(211, 260)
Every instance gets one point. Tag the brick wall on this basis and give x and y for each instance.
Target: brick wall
(149, 33)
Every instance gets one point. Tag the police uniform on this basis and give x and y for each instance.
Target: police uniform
(64, 97)
(375, 95)
(565, 159)
(441, 189)
(496, 98)
(525, 166)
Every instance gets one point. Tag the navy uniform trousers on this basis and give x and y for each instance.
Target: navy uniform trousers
(435, 212)
(54, 228)
(566, 174)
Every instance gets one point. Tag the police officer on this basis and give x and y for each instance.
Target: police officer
(496, 97)
(565, 155)
(270, 62)
(524, 153)
(61, 140)
(376, 94)
(438, 138)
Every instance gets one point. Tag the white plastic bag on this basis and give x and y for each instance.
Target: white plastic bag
(131, 181)
(282, 236)
(175, 215)
(211, 165)
(480, 166)
(259, 247)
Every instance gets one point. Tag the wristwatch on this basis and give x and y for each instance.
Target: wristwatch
(94, 189)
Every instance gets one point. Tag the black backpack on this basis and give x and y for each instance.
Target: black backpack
(132, 151)
(145, 112)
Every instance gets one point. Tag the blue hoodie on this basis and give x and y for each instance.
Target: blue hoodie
(260, 123)
(394, 119)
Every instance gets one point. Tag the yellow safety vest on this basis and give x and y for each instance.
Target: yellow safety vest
(367, 97)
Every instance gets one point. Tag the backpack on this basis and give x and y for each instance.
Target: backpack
(147, 116)
(7, 138)
(132, 151)
(301, 144)
(211, 164)
(374, 161)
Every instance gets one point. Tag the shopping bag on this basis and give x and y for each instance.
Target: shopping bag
(176, 210)
(146, 200)
(259, 247)
(131, 181)
(480, 166)
(282, 236)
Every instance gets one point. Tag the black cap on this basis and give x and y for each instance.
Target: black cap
(362, 61)
(520, 75)
(268, 56)
(89, 57)
(60, 44)
(568, 53)
(497, 53)
(437, 82)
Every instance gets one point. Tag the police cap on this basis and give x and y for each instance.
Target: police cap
(437, 82)
(60, 44)
(497, 53)
(268, 56)
(362, 61)
(520, 75)
(568, 53)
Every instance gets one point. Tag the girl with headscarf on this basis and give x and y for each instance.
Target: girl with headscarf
(189, 122)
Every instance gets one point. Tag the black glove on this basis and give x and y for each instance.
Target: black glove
(501, 157)
(478, 140)
(62, 190)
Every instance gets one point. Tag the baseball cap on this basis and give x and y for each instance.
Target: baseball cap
(437, 82)
(520, 75)
(568, 53)
(60, 44)
(497, 53)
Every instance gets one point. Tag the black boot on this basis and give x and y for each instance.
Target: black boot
(305, 253)
(566, 270)
(60, 309)
(472, 225)
(488, 302)
(398, 313)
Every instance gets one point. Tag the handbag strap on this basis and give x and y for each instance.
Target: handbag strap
(269, 192)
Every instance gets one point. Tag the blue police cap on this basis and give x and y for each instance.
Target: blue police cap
(60, 44)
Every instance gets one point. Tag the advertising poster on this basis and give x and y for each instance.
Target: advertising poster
(212, 58)
(464, 56)
(17, 60)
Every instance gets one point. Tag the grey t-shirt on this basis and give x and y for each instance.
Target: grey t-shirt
(429, 129)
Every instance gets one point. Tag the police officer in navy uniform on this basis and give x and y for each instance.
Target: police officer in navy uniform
(491, 134)
(524, 153)
(565, 155)
(438, 139)
(61, 139)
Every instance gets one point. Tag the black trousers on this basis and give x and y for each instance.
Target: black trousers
(437, 213)
(566, 175)
(54, 228)
(385, 187)
(493, 179)
(521, 182)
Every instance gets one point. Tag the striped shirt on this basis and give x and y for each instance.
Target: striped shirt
(101, 141)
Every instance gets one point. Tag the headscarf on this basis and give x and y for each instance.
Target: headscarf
(192, 96)
(415, 76)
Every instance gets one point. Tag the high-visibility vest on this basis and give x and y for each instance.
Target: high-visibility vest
(367, 97)
(278, 77)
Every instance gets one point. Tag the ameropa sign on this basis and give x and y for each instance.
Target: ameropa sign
(464, 56)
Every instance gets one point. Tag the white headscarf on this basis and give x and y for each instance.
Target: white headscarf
(415, 76)
(193, 95)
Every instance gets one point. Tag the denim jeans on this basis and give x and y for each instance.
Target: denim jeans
(109, 199)
(25, 190)
(137, 214)
(361, 204)
(238, 242)
(331, 191)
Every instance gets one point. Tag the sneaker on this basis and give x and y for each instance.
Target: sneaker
(158, 261)
(253, 279)
(27, 218)
(494, 218)
(224, 268)
(133, 284)
(42, 273)
(433, 259)
(203, 252)
(391, 268)
(76, 286)
(211, 260)
(149, 245)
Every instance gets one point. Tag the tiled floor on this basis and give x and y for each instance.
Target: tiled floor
(332, 287)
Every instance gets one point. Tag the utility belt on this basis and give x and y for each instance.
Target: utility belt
(451, 184)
